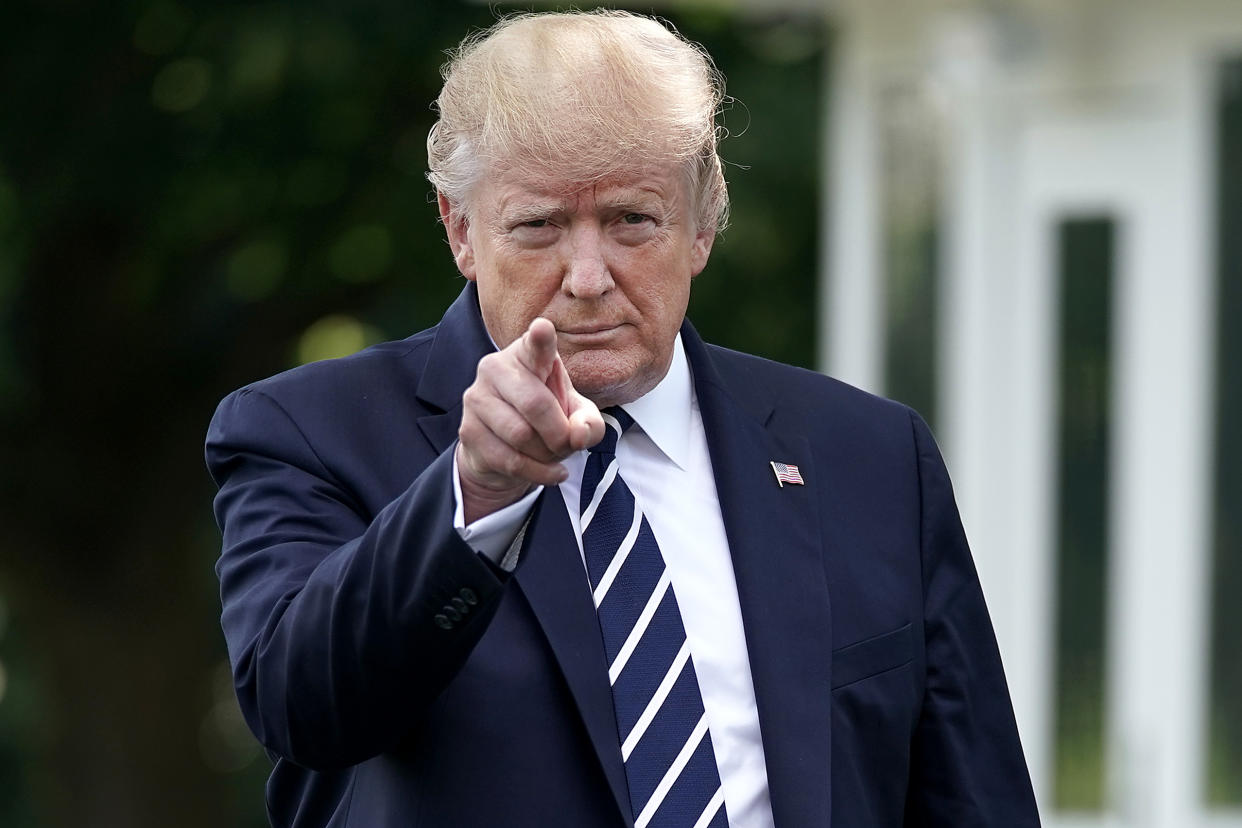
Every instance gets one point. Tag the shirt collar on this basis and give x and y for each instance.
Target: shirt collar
(664, 412)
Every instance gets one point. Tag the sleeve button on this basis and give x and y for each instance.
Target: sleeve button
(461, 605)
(467, 595)
(452, 613)
(443, 623)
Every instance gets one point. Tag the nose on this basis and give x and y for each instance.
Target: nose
(586, 273)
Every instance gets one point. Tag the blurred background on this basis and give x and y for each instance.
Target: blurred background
(1024, 218)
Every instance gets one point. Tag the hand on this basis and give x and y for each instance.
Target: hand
(520, 418)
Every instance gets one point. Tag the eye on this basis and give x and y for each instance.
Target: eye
(634, 218)
(535, 223)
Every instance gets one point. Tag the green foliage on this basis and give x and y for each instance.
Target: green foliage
(758, 294)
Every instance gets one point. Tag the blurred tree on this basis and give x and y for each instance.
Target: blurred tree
(194, 195)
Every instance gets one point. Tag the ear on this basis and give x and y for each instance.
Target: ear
(701, 249)
(457, 227)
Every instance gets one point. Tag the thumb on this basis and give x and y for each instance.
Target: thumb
(559, 383)
(586, 425)
(538, 349)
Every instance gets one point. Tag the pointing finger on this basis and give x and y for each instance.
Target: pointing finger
(537, 348)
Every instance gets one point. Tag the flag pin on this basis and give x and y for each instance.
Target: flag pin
(786, 473)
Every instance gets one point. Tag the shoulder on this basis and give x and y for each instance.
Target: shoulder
(333, 402)
(373, 367)
(353, 421)
(425, 372)
(808, 398)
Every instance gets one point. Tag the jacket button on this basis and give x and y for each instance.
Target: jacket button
(461, 605)
(452, 613)
(467, 595)
(443, 623)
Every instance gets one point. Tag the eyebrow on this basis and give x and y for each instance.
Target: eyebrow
(632, 191)
(526, 212)
(519, 213)
(642, 199)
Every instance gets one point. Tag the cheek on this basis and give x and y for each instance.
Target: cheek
(665, 287)
(517, 291)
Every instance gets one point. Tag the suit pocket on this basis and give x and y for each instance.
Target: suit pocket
(872, 656)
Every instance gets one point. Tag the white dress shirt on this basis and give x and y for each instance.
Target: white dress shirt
(665, 463)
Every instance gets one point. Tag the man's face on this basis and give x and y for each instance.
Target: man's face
(609, 264)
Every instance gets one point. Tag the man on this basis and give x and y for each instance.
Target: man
(556, 561)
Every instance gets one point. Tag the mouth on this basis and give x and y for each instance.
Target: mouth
(588, 334)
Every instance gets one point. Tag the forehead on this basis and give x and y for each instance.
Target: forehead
(520, 187)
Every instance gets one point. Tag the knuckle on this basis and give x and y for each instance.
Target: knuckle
(530, 398)
(488, 366)
(500, 375)
(521, 433)
(513, 465)
(560, 446)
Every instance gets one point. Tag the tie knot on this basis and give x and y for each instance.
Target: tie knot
(616, 421)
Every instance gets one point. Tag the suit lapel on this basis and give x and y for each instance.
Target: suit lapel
(460, 342)
(774, 539)
(550, 573)
(551, 576)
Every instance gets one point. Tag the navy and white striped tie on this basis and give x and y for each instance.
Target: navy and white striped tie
(669, 763)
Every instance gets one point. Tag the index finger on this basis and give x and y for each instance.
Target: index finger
(536, 349)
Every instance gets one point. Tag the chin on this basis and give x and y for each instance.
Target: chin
(609, 379)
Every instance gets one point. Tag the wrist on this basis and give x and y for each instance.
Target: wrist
(479, 498)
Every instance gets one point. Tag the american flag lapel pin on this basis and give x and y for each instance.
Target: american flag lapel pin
(786, 473)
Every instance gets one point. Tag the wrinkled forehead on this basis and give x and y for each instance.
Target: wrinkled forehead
(630, 178)
(551, 184)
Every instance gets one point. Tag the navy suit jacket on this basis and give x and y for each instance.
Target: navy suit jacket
(880, 693)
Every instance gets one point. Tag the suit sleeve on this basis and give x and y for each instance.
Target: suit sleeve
(341, 630)
(967, 766)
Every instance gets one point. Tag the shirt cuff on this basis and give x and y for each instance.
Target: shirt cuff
(493, 536)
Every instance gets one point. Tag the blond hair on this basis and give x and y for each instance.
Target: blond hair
(581, 95)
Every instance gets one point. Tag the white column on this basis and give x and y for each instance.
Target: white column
(976, 325)
(850, 317)
(1022, 467)
(1158, 629)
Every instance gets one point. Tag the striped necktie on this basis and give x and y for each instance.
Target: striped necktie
(669, 763)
